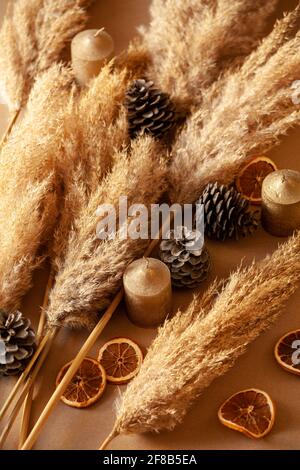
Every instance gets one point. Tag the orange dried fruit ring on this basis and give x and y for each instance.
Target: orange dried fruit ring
(250, 178)
(122, 359)
(287, 352)
(87, 385)
(250, 412)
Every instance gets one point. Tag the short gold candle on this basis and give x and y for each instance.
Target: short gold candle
(148, 292)
(89, 50)
(281, 202)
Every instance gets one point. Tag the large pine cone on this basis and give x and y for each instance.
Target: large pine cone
(149, 110)
(17, 342)
(189, 266)
(226, 213)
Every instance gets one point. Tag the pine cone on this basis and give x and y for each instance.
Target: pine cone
(226, 213)
(149, 110)
(16, 342)
(187, 259)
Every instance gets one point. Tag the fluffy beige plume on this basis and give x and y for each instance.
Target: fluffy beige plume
(192, 41)
(284, 30)
(29, 185)
(33, 36)
(213, 332)
(244, 113)
(92, 270)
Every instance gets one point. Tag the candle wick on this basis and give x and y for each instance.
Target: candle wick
(98, 32)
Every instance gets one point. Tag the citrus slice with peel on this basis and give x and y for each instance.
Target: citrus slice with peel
(122, 359)
(250, 412)
(87, 385)
(250, 178)
(287, 352)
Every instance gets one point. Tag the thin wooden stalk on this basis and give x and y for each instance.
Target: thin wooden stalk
(12, 122)
(89, 343)
(28, 400)
(109, 438)
(25, 374)
(28, 385)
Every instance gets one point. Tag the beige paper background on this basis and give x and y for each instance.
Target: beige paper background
(69, 428)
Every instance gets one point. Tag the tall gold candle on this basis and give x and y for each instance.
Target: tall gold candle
(89, 50)
(148, 292)
(281, 202)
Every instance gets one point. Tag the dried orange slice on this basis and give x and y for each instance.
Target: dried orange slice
(287, 352)
(250, 178)
(87, 385)
(121, 358)
(250, 412)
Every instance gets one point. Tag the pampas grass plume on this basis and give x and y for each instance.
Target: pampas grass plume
(203, 342)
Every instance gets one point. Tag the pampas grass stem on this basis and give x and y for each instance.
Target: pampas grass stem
(25, 420)
(31, 379)
(12, 121)
(113, 434)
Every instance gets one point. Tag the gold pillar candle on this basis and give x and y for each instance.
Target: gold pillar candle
(281, 202)
(148, 292)
(90, 49)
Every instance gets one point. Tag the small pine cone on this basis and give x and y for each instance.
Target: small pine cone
(185, 256)
(17, 342)
(226, 213)
(149, 110)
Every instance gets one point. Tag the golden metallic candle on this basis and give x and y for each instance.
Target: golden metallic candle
(148, 292)
(90, 49)
(281, 202)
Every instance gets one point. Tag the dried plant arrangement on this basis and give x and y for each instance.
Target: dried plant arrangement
(245, 112)
(229, 318)
(33, 37)
(89, 271)
(193, 41)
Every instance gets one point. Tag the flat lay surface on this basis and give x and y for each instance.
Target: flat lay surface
(71, 428)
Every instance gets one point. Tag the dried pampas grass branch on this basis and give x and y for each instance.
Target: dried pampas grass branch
(33, 36)
(243, 113)
(29, 185)
(229, 319)
(193, 41)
